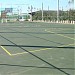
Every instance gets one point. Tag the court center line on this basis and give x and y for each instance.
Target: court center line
(6, 50)
(60, 34)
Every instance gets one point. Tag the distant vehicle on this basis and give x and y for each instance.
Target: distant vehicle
(21, 18)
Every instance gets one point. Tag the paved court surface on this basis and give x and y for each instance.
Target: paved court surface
(37, 49)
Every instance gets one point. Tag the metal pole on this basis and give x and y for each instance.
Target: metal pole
(48, 8)
(57, 10)
(73, 4)
(48, 14)
(18, 12)
(42, 11)
(31, 12)
(1, 14)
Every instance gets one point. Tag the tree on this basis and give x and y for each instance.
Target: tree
(72, 15)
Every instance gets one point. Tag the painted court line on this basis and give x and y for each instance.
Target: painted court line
(39, 50)
(66, 45)
(31, 51)
(6, 51)
(60, 34)
(22, 52)
(43, 49)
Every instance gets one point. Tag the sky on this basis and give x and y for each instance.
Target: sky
(22, 5)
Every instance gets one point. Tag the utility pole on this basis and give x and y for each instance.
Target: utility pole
(73, 4)
(57, 10)
(48, 14)
(42, 12)
(48, 8)
(69, 3)
(18, 12)
(31, 12)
